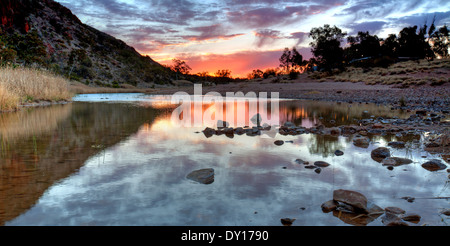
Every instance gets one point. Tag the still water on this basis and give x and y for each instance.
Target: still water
(117, 159)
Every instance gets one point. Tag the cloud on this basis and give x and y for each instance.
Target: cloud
(299, 36)
(373, 27)
(215, 31)
(266, 36)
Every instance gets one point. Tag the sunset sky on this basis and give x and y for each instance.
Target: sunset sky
(242, 35)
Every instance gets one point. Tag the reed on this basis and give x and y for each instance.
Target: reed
(21, 85)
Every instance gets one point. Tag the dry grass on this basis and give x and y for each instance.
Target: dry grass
(21, 85)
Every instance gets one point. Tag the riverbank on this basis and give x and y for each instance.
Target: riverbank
(24, 86)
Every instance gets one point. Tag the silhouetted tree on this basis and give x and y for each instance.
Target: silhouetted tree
(224, 73)
(255, 74)
(180, 67)
(390, 46)
(412, 43)
(363, 45)
(326, 46)
(290, 59)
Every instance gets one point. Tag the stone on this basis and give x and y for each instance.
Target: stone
(380, 153)
(338, 153)
(353, 198)
(394, 210)
(434, 165)
(287, 221)
(321, 164)
(300, 161)
(279, 142)
(209, 132)
(361, 141)
(413, 218)
(329, 206)
(445, 212)
(318, 170)
(395, 161)
(204, 176)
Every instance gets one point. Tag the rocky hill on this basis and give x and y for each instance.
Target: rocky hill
(45, 34)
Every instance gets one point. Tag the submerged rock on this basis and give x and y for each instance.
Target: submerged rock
(204, 176)
(361, 141)
(380, 153)
(434, 165)
(395, 161)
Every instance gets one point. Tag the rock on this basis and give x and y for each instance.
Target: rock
(380, 153)
(361, 141)
(222, 124)
(329, 206)
(204, 176)
(310, 167)
(318, 170)
(421, 112)
(353, 198)
(397, 223)
(279, 142)
(394, 210)
(209, 132)
(321, 164)
(395, 161)
(445, 212)
(300, 161)
(377, 126)
(413, 218)
(239, 130)
(397, 144)
(338, 153)
(287, 221)
(434, 165)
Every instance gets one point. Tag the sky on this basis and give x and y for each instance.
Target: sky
(243, 35)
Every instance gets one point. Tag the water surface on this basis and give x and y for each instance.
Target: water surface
(117, 159)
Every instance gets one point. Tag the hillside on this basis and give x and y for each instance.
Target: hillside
(45, 34)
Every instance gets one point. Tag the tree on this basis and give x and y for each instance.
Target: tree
(224, 73)
(363, 45)
(413, 43)
(180, 67)
(390, 46)
(255, 74)
(290, 59)
(326, 46)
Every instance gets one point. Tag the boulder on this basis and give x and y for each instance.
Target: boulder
(204, 176)
(434, 165)
(256, 119)
(287, 221)
(380, 153)
(352, 198)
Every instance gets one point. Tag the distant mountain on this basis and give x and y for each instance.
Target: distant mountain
(46, 34)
